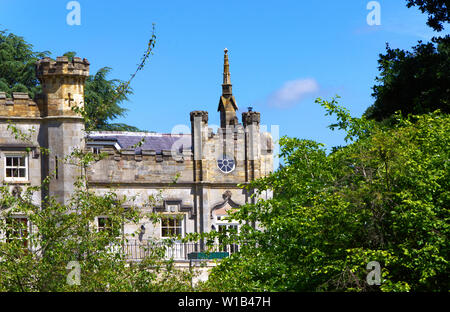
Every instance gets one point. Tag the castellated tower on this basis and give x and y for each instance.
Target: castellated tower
(62, 128)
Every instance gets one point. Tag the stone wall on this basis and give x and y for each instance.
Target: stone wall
(147, 166)
(9, 145)
(20, 105)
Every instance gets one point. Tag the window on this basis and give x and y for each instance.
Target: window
(226, 164)
(104, 224)
(227, 228)
(96, 150)
(56, 167)
(108, 225)
(17, 229)
(171, 226)
(172, 208)
(16, 168)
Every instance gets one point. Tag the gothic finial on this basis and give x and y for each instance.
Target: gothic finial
(227, 103)
(226, 86)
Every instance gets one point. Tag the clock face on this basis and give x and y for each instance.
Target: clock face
(226, 164)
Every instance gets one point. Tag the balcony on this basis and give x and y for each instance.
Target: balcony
(136, 250)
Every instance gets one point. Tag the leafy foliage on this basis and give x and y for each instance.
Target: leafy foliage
(438, 12)
(103, 97)
(102, 102)
(35, 256)
(414, 82)
(17, 65)
(385, 197)
(67, 233)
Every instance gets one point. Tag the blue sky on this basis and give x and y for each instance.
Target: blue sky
(283, 54)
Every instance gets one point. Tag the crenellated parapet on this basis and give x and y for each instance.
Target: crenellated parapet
(202, 114)
(20, 105)
(62, 85)
(62, 67)
(250, 118)
(62, 89)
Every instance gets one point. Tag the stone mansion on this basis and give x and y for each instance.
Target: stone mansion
(208, 165)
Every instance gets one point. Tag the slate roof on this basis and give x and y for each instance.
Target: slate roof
(152, 141)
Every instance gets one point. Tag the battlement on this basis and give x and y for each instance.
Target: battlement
(62, 84)
(202, 114)
(250, 117)
(62, 67)
(20, 105)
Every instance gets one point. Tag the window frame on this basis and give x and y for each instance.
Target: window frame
(96, 150)
(223, 222)
(108, 228)
(172, 208)
(220, 164)
(176, 217)
(6, 167)
(105, 227)
(18, 219)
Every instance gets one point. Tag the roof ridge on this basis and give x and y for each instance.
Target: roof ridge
(141, 134)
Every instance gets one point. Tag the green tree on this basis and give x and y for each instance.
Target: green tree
(384, 197)
(42, 255)
(438, 12)
(103, 102)
(103, 97)
(17, 65)
(414, 82)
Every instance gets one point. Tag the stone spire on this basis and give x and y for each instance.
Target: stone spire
(227, 103)
(226, 86)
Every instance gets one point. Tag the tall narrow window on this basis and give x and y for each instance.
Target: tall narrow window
(56, 167)
(16, 168)
(96, 150)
